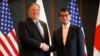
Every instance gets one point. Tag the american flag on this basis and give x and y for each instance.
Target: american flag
(76, 20)
(8, 38)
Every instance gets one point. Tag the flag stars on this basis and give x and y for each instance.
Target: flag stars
(71, 3)
(1, 27)
(9, 13)
(5, 16)
(1, 19)
(8, 25)
(75, 21)
(5, 32)
(6, 4)
(12, 22)
(76, 24)
(12, 26)
(76, 17)
(73, 12)
(79, 26)
(3, 4)
(68, 6)
(8, 21)
(74, 4)
(6, 8)
(79, 18)
(2, 15)
(8, 29)
(3, 8)
(79, 21)
(74, 0)
(9, 17)
(5, 28)
(73, 16)
(2, 11)
(73, 8)
(5, 20)
(5, 24)
(1, 23)
(6, 12)
(77, 9)
(76, 13)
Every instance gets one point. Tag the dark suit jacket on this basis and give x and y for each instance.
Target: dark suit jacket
(74, 44)
(31, 38)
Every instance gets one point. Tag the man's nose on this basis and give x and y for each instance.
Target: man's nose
(64, 18)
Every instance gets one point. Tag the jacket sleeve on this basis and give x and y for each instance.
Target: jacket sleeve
(53, 46)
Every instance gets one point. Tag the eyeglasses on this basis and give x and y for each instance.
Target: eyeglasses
(64, 15)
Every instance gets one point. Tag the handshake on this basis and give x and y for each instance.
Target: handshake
(44, 47)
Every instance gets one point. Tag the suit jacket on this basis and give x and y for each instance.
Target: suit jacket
(73, 47)
(30, 38)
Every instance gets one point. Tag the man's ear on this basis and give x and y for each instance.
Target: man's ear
(70, 16)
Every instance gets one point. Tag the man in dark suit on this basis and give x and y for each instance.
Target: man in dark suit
(33, 34)
(66, 39)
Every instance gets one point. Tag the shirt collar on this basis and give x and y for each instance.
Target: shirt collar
(36, 20)
(66, 25)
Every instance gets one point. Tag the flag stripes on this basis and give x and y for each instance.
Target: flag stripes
(3, 51)
(76, 20)
(9, 44)
(8, 38)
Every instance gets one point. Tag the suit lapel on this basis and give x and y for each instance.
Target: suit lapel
(43, 28)
(60, 36)
(35, 27)
(69, 34)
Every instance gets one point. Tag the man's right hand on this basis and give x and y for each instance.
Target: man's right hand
(44, 46)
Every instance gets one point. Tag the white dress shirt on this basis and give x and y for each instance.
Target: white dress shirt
(65, 29)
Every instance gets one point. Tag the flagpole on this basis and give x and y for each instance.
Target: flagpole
(80, 3)
(52, 15)
(52, 9)
(24, 9)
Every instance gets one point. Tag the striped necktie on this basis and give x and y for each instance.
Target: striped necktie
(40, 28)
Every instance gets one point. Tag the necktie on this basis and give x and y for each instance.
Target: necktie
(65, 32)
(40, 28)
